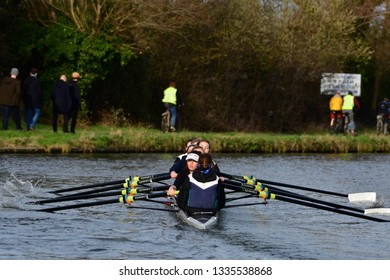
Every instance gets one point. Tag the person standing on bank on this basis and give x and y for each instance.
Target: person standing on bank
(11, 99)
(61, 102)
(32, 98)
(75, 100)
(170, 100)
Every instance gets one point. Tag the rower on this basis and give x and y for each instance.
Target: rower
(191, 164)
(180, 164)
(202, 190)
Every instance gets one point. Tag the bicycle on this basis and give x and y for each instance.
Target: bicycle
(349, 126)
(166, 121)
(381, 125)
(336, 122)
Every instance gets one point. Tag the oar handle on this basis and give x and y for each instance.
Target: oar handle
(155, 178)
(151, 177)
(233, 177)
(131, 198)
(133, 191)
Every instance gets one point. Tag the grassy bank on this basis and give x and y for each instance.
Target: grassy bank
(101, 139)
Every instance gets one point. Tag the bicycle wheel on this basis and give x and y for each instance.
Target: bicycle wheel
(165, 121)
(379, 124)
(339, 126)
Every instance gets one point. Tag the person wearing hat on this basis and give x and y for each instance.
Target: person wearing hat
(75, 101)
(11, 99)
(32, 98)
(180, 161)
(191, 161)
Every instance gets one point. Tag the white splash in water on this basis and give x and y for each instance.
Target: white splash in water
(16, 193)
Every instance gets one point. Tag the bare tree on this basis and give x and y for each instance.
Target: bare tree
(135, 21)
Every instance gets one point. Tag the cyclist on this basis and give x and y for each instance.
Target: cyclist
(171, 98)
(336, 115)
(350, 102)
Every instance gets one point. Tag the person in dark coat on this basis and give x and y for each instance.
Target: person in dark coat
(11, 99)
(76, 101)
(60, 96)
(32, 98)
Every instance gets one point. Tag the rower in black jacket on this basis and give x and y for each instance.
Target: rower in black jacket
(202, 190)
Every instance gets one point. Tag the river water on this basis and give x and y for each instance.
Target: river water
(277, 231)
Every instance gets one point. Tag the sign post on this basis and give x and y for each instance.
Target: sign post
(341, 82)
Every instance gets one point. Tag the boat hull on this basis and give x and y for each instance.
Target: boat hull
(199, 220)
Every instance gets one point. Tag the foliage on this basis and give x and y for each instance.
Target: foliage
(243, 65)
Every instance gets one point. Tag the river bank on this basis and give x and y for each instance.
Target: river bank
(104, 139)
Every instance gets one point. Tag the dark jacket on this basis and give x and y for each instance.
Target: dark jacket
(32, 93)
(10, 92)
(61, 97)
(383, 107)
(75, 95)
(201, 192)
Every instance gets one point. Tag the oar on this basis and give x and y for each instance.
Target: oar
(313, 205)
(352, 197)
(128, 184)
(76, 197)
(100, 193)
(275, 190)
(88, 204)
(122, 199)
(245, 204)
(145, 179)
(133, 191)
(118, 187)
(326, 208)
(88, 186)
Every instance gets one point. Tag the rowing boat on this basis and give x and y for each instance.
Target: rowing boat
(199, 220)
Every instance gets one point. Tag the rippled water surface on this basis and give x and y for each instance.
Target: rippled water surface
(277, 231)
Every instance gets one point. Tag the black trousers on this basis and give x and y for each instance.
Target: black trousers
(11, 110)
(55, 120)
(73, 119)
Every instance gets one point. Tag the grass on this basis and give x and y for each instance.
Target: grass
(101, 139)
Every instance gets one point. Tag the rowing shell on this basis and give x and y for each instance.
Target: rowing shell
(200, 220)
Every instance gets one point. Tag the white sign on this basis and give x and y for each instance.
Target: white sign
(341, 82)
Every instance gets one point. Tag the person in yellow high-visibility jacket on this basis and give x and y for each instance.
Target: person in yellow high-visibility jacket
(335, 107)
(170, 100)
(349, 103)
